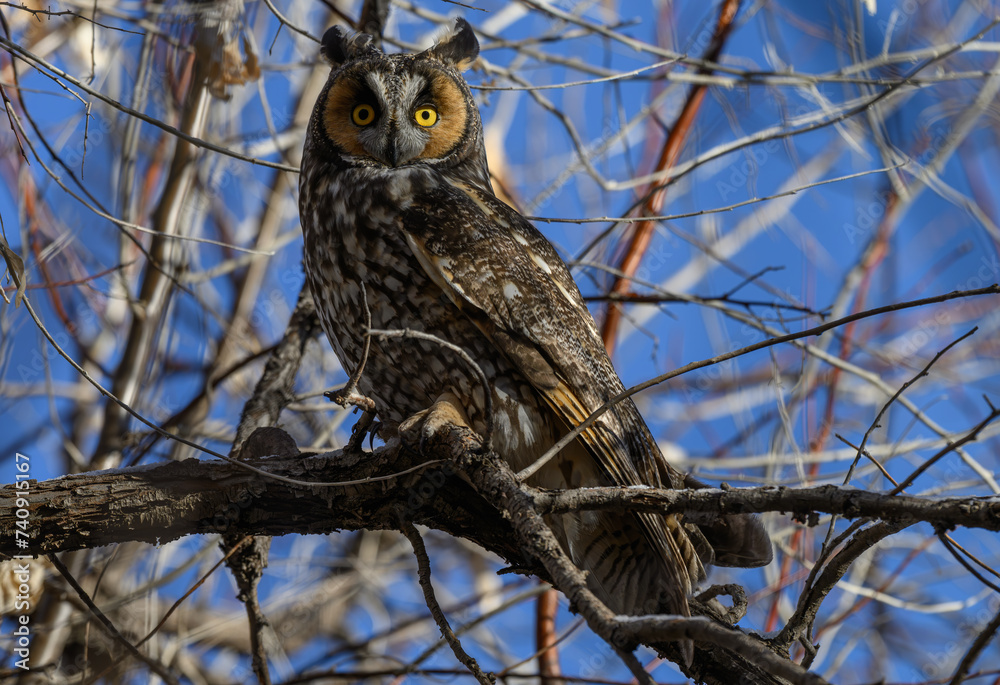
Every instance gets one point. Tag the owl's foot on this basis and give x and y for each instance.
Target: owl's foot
(432, 429)
(365, 426)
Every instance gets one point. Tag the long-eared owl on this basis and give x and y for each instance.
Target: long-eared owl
(395, 195)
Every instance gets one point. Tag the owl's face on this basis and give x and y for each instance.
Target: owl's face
(399, 110)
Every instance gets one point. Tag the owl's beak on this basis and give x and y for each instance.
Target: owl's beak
(393, 151)
(401, 147)
(391, 146)
(397, 152)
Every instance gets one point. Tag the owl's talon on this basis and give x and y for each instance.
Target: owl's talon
(420, 430)
(432, 428)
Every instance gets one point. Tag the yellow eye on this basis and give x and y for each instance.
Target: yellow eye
(363, 115)
(426, 116)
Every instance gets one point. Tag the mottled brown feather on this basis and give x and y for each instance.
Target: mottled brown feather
(406, 215)
(555, 334)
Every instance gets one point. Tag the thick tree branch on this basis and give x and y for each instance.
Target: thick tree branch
(162, 502)
(464, 492)
(727, 655)
(799, 626)
(970, 512)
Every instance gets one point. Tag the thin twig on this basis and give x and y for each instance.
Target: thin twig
(349, 394)
(975, 649)
(923, 372)
(716, 210)
(970, 436)
(38, 62)
(154, 665)
(867, 455)
(424, 576)
(959, 553)
(655, 194)
(184, 441)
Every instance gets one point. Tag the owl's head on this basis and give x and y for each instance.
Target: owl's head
(395, 110)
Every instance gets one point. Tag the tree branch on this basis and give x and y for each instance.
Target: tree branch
(162, 502)
(424, 576)
(801, 503)
(465, 492)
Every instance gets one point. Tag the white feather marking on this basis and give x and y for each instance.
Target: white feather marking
(511, 291)
(501, 394)
(474, 196)
(542, 264)
(567, 294)
(444, 265)
(527, 426)
(504, 430)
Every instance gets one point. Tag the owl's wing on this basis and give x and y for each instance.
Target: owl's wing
(507, 278)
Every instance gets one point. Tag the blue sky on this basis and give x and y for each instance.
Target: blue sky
(749, 421)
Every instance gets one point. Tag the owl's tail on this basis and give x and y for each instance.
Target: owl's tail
(634, 577)
(733, 539)
(625, 571)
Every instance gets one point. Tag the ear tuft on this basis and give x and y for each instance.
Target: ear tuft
(458, 48)
(338, 47)
(332, 47)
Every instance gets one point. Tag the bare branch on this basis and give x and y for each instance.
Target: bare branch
(154, 665)
(424, 576)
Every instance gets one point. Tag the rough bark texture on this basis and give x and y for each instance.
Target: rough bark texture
(801, 503)
(463, 491)
(162, 502)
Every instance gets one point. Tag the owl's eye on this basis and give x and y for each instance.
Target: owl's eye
(363, 115)
(425, 116)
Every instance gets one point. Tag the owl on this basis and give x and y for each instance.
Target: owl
(401, 224)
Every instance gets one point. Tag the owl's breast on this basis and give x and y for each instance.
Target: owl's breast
(353, 237)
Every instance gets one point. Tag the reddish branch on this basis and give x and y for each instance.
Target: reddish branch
(656, 191)
(545, 638)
